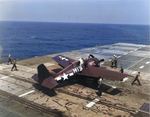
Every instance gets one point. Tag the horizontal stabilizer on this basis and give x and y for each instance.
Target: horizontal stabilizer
(35, 77)
(49, 83)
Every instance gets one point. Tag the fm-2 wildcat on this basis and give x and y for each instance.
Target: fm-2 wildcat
(84, 67)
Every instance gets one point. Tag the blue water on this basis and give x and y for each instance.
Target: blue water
(29, 39)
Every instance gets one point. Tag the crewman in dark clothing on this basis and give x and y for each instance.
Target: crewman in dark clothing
(86, 64)
(86, 61)
(99, 86)
(92, 58)
(137, 78)
(121, 69)
(14, 65)
(115, 61)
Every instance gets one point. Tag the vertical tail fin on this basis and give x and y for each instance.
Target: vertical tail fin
(44, 77)
(43, 73)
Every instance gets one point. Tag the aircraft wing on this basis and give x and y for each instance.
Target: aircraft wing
(63, 61)
(93, 71)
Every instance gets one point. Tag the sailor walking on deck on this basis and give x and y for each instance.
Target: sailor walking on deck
(14, 65)
(137, 78)
(9, 59)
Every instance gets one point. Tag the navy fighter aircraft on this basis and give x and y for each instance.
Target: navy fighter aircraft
(85, 67)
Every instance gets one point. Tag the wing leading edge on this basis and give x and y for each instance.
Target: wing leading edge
(93, 71)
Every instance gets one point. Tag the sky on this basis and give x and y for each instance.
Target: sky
(77, 11)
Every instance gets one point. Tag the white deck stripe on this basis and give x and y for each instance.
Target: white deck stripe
(137, 62)
(5, 77)
(118, 56)
(92, 103)
(2, 67)
(30, 70)
(26, 93)
(125, 79)
(134, 72)
(141, 67)
(125, 53)
(135, 49)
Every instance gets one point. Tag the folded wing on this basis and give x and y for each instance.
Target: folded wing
(63, 60)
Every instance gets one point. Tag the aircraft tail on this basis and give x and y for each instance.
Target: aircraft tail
(44, 77)
(43, 73)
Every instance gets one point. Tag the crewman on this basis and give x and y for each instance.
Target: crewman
(112, 61)
(14, 65)
(137, 78)
(115, 60)
(86, 61)
(121, 69)
(99, 86)
(9, 59)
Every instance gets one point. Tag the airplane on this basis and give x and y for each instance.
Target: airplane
(89, 67)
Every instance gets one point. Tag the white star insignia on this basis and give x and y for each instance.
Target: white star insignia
(65, 76)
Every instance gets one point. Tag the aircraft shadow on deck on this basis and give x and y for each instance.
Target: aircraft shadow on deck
(47, 91)
(82, 80)
(92, 83)
(51, 92)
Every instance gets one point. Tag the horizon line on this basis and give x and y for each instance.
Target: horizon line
(71, 22)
